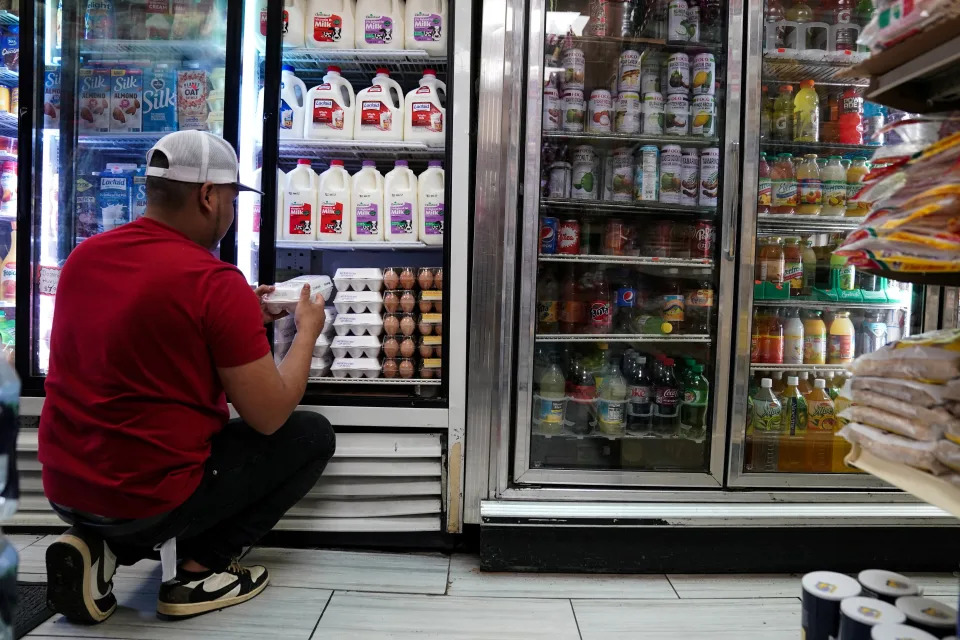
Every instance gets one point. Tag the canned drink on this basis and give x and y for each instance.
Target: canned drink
(653, 113)
(677, 16)
(646, 176)
(704, 74)
(591, 237)
(670, 157)
(693, 22)
(573, 110)
(660, 240)
(600, 111)
(552, 111)
(559, 183)
(574, 64)
(627, 113)
(689, 176)
(650, 73)
(584, 180)
(597, 24)
(678, 74)
(703, 240)
(607, 175)
(703, 116)
(615, 238)
(568, 237)
(628, 76)
(677, 115)
(622, 175)
(548, 235)
(709, 177)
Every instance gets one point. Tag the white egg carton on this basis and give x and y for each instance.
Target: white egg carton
(287, 294)
(358, 279)
(358, 301)
(322, 347)
(355, 368)
(358, 324)
(320, 367)
(331, 315)
(284, 330)
(355, 346)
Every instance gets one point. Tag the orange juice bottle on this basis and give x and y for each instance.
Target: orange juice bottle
(784, 181)
(840, 345)
(855, 174)
(821, 425)
(809, 186)
(814, 338)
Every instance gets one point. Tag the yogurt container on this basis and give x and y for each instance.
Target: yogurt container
(358, 324)
(358, 302)
(358, 279)
(355, 346)
(355, 368)
(287, 294)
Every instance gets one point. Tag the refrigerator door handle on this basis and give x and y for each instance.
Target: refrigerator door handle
(730, 193)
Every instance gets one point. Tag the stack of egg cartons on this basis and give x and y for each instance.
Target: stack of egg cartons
(412, 322)
(284, 298)
(359, 324)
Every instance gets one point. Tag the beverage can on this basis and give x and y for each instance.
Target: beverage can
(628, 76)
(622, 175)
(693, 22)
(677, 25)
(559, 183)
(584, 179)
(704, 74)
(614, 238)
(574, 64)
(600, 111)
(627, 113)
(677, 115)
(646, 175)
(597, 23)
(704, 239)
(573, 110)
(689, 176)
(548, 235)
(552, 111)
(650, 73)
(709, 176)
(678, 74)
(660, 240)
(653, 113)
(670, 160)
(703, 116)
(568, 237)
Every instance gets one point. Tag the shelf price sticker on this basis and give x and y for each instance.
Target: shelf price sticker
(47, 280)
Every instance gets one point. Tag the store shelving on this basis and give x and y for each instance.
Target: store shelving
(794, 66)
(828, 304)
(153, 50)
(624, 337)
(617, 43)
(426, 382)
(599, 435)
(404, 65)
(614, 139)
(126, 143)
(294, 148)
(812, 368)
(768, 224)
(819, 148)
(638, 207)
(694, 263)
(358, 246)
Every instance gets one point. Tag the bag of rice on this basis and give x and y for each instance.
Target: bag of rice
(894, 448)
(932, 357)
(938, 417)
(949, 454)
(910, 391)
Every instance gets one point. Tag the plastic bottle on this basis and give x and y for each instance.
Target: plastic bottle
(855, 175)
(766, 114)
(850, 118)
(294, 15)
(330, 108)
(425, 117)
(330, 24)
(582, 395)
(843, 273)
(792, 266)
(758, 330)
(765, 186)
(793, 338)
(800, 12)
(666, 417)
(571, 303)
(841, 346)
(846, 38)
(772, 14)
(431, 198)
(783, 114)
(793, 453)
(292, 103)
(772, 343)
(300, 203)
(600, 306)
(809, 186)
(809, 259)
(806, 113)
(673, 308)
(334, 203)
(366, 214)
(379, 24)
(8, 269)
(400, 200)
(255, 199)
(821, 425)
(641, 397)
(784, 179)
(379, 112)
(611, 402)
(834, 188)
(874, 117)
(426, 23)
(8, 187)
(552, 400)
(548, 299)
(814, 338)
(693, 409)
(766, 423)
(804, 384)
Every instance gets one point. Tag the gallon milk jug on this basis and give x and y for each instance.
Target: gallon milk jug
(333, 200)
(366, 223)
(293, 16)
(292, 107)
(330, 24)
(379, 24)
(379, 113)
(300, 203)
(426, 22)
(254, 199)
(402, 217)
(425, 117)
(431, 198)
(330, 108)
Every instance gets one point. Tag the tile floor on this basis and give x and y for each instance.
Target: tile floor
(323, 594)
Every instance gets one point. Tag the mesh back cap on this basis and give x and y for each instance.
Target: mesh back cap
(197, 157)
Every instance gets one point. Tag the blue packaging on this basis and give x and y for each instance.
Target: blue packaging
(113, 200)
(86, 205)
(160, 98)
(138, 207)
(549, 227)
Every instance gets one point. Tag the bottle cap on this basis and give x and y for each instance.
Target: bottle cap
(383, 71)
(819, 383)
(766, 383)
(668, 362)
(792, 381)
(807, 83)
(334, 68)
(336, 163)
(304, 161)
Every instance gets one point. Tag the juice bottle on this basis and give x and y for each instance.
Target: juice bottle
(766, 113)
(765, 186)
(814, 338)
(771, 346)
(850, 119)
(834, 188)
(779, 385)
(821, 425)
(855, 174)
(793, 428)
(800, 12)
(767, 412)
(809, 259)
(793, 338)
(757, 332)
(792, 266)
(804, 385)
(783, 114)
(840, 348)
(785, 185)
(806, 113)
(846, 273)
(772, 262)
(810, 187)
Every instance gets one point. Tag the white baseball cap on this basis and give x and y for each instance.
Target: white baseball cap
(197, 157)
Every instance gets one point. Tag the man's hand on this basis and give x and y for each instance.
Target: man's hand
(310, 314)
(268, 317)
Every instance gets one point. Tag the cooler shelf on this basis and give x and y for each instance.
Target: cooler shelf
(377, 381)
(295, 148)
(820, 148)
(623, 208)
(828, 304)
(614, 139)
(153, 50)
(813, 368)
(8, 124)
(795, 66)
(597, 435)
(406, 64)
(357, 246)
(704, 263)
(623, 337)
(771, 224)
(126, 143)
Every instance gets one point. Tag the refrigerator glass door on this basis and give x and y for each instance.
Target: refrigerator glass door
(9, 131)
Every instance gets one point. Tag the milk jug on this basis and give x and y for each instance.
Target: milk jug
(333, 201)
(330, 108)
(300, 203)
(254, 200)
(366, 220)
(431, 197)
(425, 117)
(379, 115)
(292, 106)
(330, 24)
(379, 24)
(426, 22)
(400, 202)
(293, 16)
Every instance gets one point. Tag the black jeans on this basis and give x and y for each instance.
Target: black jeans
(249, 482)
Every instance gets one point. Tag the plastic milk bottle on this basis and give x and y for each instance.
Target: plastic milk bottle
(330, 108)
(293, 16)
(402, 217)
(300, 203)
(333, 201)
(366, 223)
(424, 115)
(330, 24)
(379, 113)
(426, 22)
(379, 24)
(292, 106)
(431, 200)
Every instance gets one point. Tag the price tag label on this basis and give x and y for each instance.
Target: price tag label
(47, 280)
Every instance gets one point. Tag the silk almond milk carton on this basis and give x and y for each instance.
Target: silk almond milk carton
(193, 90)
(160, 99)
(95, 96)
(126, 114)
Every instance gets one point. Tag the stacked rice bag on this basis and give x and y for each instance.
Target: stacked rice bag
(906, 403)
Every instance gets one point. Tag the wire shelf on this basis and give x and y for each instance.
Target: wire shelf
(772, 224)
(9, 78)
(794, 66)
(599, 435)
(615, 139)
(8, 19)
(406, 66)
(828, 304)
(623, 208)
(812, 368)
(294, 148)
(695, 263)
(8, 124)
(120, 143)
(377, 381)
(153, 50)
(821, 148)
(358, 246)
(623, 337)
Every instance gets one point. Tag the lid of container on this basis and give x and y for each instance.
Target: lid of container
(287, 67)
(871, 611)
(888, 583)
(383, 71)
(369, 163)
(828, 585)
(899, 632)
(435, 163)
(336, 163)
(928, 612)
(304, 161)
(766, 383)
(792, 381)
(786, 88)
(807, 83)
(334, 68)
(430, 72)
(668, 362)
(401, 163)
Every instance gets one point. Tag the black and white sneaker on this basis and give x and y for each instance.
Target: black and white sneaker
(80, 568)
(190, 594)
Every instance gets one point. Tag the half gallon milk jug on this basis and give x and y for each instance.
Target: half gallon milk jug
(379, 24)
(333, 200)
(292, 107)
(300, 203)
(402, 217)
(426, 22)
(379, 114)
(254, 199)
(330, 24)
(366, 223)
(424, 115)
(431, 198)
(330, 108)
(293, 17)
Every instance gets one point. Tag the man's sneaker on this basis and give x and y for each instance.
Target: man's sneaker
(80, 568)
(190, 593)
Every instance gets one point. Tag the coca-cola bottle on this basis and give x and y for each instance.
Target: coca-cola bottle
(640, 396)
(600, 309)
(666, 417)
(581, 393)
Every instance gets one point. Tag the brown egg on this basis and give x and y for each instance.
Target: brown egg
(391, 324)
(438, 327)
(391, 301)
(426, 350)
(390, 278)
(407, 347)
(407, 325)
(425, 305)
(391, 347)
(407, 279)
(390, 368)
(426, 372)
(425, 278)
(408, 301)
(425, 328)
(438, 279)
(406, 369)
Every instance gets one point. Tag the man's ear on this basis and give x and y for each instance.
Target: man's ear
(207, 196)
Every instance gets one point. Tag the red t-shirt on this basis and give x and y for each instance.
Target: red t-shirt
(143, 319)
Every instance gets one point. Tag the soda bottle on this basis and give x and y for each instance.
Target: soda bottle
(657, 372)
(850, 119)
(806, 113)
(600, 308)
(765, 186)
(783, 114)
(626, 299)
(774, 13)
(666, 417)
(765, 444)
(674, 308)
(640, 390)
(793, 428)
(571, 304)
(552, 400)
(693, 410)
(582, 393)
(699, 307)
(611, 405)
(548, 303)
(843, 17)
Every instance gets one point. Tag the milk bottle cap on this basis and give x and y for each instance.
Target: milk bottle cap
(303, 161)
(435, 163)
(336, 163)
(383, 71)
(369, 163)
(401, 163)
(288, 67)
(429, 72)
(333, 69)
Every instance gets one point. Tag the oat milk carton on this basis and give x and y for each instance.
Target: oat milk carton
(126, 115)
(51, 99)
(160, 99)
(95, 92)
(193, 89)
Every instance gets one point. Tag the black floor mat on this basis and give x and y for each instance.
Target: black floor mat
(31, 609)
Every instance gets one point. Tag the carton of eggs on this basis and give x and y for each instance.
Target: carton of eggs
(366, 279)
(356, 346)
(358, 302)
(287, 294)
(355, 368)
(398, 368)
(331, 315)
(319, 366)
(358, 324)
(322, 346)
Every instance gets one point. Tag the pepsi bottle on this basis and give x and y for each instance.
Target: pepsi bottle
(626, 300)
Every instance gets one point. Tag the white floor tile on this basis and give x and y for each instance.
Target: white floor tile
(369, 616)
(466, 579)
(736, 586)
(756, 619)
(354, 571)
(21, 542)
